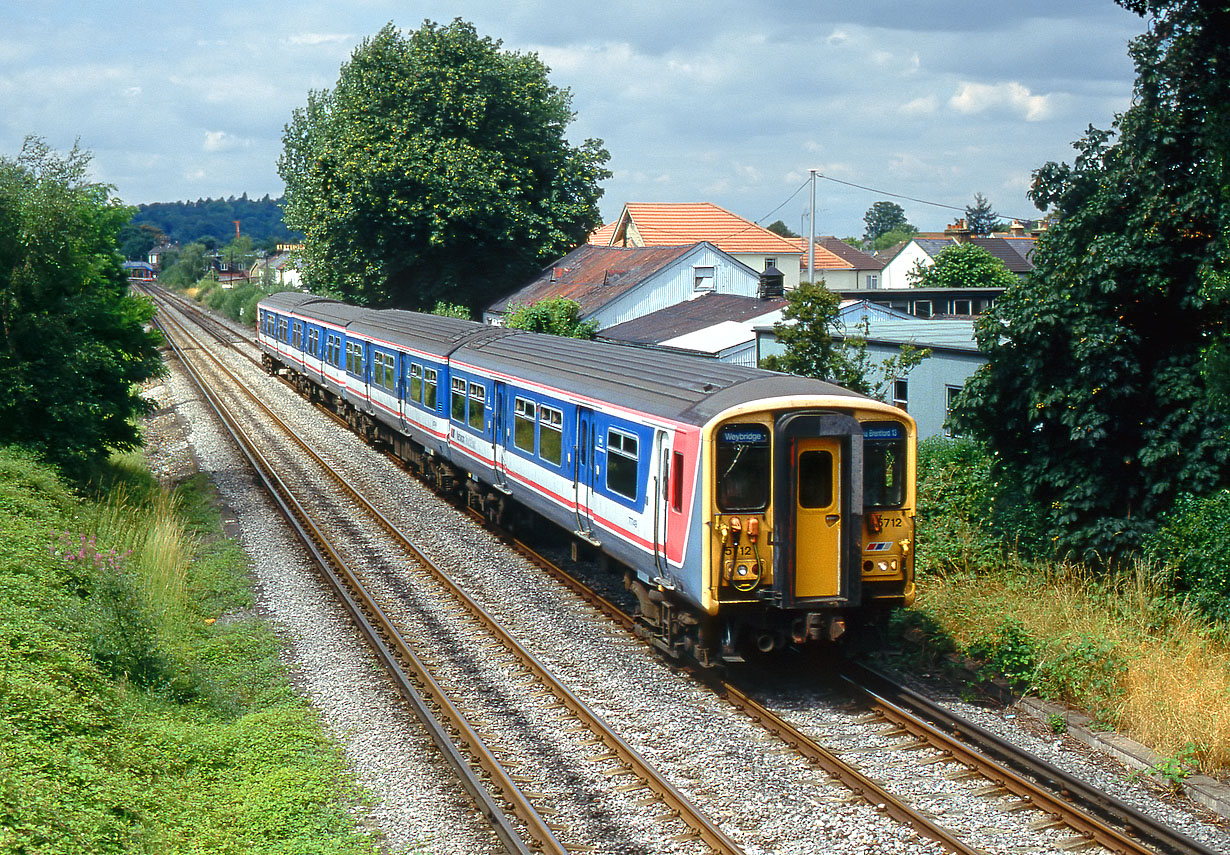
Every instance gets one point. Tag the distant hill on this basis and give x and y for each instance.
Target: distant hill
(183, 222)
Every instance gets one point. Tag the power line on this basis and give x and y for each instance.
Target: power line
(907, 198)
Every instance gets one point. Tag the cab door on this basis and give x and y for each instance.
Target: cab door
(819, 521)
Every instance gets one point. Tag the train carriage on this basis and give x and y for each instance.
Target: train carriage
(748, 507)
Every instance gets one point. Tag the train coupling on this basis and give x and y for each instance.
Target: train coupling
(817, 626)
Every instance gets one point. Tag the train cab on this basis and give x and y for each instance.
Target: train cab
(810, 513)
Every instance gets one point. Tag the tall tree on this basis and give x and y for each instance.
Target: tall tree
(73, 341)
(780, 228)
(1093, 388)
(980, 217)
(962, 265)
(437, 168)
(884, 217)
(818, 345)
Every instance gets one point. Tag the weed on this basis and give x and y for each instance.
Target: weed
(1174, 770)
(1057, 723)
(1010, 653)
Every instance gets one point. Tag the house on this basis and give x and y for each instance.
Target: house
(658, 224)
(721, 326)
(616, 284)
(276, 269)
(929, 391)
(842, 267)
(1013, 249)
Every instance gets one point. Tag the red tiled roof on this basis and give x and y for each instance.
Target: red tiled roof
(602, 236)
(679, 223)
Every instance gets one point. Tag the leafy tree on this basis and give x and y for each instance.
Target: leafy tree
(891, 239)
(963, 265)
(557, 316)
(137, 240)
(182, 222)
(818, 345)
(780, 228)
(1093, 390)
(73, 340)
(437, 168)
(452, 310)
(980, 217)
(184, 268)
(884, 217)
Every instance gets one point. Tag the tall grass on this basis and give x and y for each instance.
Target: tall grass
(1119, 644)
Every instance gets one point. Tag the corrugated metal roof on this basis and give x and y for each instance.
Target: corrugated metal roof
(594, 275)
(690, 316)
(674, 224)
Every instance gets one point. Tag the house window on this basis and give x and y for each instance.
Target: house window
(922, 308)
(429, 388)
(901, 394)
(702, 278)
(769, 261)
(950, 401)
(621, 463)
(523, 424)
(551, 435)
(961, 307)
(873, 281)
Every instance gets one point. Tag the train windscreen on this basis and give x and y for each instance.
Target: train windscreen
(742, 467)
(883, 465)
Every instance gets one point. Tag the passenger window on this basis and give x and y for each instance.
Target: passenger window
(523, 424)
(621, 463)
(416, 382)
(429, 388)
(459, 400)
(478, 406)
(551, 435)
(677, 482)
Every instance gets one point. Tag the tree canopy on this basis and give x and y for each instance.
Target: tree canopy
(73, 341)
(1093, 390)
(818, 345)
(436, 169)
(980, 217)
(884, 217)
(963, 265)
(557, 316)
(181, 222)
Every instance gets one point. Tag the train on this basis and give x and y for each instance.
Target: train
(749, 510)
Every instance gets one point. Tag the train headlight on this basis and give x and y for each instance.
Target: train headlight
(742, 570)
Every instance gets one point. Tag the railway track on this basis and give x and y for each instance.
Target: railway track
(492, 773)
(1091, 818)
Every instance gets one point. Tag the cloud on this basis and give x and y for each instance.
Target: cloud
(923, 106)
(313, 39)
(974, 98)
(223, 141)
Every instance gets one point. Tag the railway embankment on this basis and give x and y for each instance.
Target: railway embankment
(144, 705)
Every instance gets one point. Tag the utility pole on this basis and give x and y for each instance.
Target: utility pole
(811, 238)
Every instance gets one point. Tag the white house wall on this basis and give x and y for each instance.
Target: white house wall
(787, 263)
(896, 273)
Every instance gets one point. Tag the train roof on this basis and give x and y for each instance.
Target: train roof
(691, 389)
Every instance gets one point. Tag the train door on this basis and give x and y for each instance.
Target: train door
(583, 473)
(500, 435)
(817, 508)
(660, 495)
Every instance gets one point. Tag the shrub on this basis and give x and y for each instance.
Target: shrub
(1193, 542)
(1010, 652)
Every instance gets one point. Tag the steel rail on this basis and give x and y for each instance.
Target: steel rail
(1113, 823)
(380, 637)
(703, 828)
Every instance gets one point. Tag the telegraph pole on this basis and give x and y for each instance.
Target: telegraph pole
(811, 238)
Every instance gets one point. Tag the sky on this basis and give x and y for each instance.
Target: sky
(733, 102)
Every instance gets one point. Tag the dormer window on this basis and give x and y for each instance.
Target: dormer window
(770, 262)
(703, 278)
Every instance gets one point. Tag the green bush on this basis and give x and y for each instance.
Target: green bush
(1085, 673)
(1010, 653)
(971, 514)
(1193, 542)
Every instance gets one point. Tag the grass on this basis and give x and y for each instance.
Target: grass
(131, 718)
(1118, 645)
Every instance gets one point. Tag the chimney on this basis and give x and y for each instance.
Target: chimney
(958, 231)
(772, 283)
